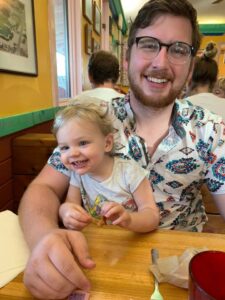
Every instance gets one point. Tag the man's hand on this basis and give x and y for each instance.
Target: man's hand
(53, 271)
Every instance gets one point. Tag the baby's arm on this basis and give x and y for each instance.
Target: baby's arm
(71, 213)
(144, 220)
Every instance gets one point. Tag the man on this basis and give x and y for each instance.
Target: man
(178, 146)
(103, 72)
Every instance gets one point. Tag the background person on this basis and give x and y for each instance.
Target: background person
(205, 71)
(101, 184)
(219, 88)
(180, 147)
(103, 73)
(203, 80)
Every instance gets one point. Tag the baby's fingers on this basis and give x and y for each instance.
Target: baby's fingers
(107, 206)
(114, 213)
(81, 215)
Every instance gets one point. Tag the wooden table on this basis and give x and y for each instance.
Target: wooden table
(123, 257)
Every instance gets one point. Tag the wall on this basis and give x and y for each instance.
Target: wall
(21, 93)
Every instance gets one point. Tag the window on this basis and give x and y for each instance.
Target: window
(62, 48)
(65, 48)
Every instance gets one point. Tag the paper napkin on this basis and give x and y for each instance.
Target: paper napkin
(14, 251)
(174, 269)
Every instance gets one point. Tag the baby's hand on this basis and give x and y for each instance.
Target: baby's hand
(74, 216)
(116, 213)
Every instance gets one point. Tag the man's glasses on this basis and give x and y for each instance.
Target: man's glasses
(178, 52)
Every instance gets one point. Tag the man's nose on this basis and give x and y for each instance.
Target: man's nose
(161, 59)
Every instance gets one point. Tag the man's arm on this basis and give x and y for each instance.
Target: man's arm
(40, 203)
(52, 271)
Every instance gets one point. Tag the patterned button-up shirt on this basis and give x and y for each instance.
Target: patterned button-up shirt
(191, 154)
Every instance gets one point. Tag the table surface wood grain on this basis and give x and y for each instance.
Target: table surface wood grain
(122, 263)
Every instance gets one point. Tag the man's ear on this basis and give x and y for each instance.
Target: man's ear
(109, 141)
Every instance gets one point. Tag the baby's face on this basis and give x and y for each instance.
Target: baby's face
(219, 92)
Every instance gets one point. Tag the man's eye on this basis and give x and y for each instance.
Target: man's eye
(179, 50)
(149, 46)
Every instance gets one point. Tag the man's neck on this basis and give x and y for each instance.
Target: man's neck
(107, 84)
(152, 124)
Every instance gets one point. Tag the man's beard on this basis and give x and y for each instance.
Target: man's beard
(147, 100)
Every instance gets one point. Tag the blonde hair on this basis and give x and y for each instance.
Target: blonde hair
(85, 111)
(221, 83)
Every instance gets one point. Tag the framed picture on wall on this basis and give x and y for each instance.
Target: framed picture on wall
(88, 39)
(110, 25)
(95, 45)
(17, 38)
(97, 19)
(87, 6)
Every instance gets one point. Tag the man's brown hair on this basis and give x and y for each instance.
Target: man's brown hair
(155, 8)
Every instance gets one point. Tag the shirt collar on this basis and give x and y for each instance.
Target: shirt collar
(179, 118)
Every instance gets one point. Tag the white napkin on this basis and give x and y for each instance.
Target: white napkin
(174, 269)
(14, 251)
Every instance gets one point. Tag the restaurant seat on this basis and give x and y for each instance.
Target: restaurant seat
(30, 153)
(215, 222)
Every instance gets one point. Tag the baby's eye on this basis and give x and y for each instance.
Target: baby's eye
(83, 143)
(63, 148)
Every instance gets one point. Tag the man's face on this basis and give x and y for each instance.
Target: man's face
(158, 82)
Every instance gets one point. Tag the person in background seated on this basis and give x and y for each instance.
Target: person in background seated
(102, 186)
(204, 77)
(219, 88)
(179, 144)
(103, 72)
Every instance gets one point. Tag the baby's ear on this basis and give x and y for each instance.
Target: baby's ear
(109, 141)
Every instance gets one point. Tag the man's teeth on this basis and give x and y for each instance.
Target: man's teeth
(157, 80)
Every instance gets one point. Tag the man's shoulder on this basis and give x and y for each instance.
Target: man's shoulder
(195, 113)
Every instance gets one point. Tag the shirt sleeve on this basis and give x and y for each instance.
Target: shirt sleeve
(134, 174)
(75, 180)
(55, 162)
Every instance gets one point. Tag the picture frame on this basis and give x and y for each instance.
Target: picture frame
(95, 45)
(18, 53)
(87, 6)
(88, 38)
(97, 19)
(110, 25)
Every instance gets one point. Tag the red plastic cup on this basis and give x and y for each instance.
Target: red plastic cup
(207, 276)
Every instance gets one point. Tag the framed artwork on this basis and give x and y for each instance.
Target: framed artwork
(110, 25)
(87, 6)
(17, 37)
(95, 45)
(88, 39)
(97, 19)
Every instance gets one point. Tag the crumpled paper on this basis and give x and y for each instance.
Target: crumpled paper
(175, 269)
(14, 251)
